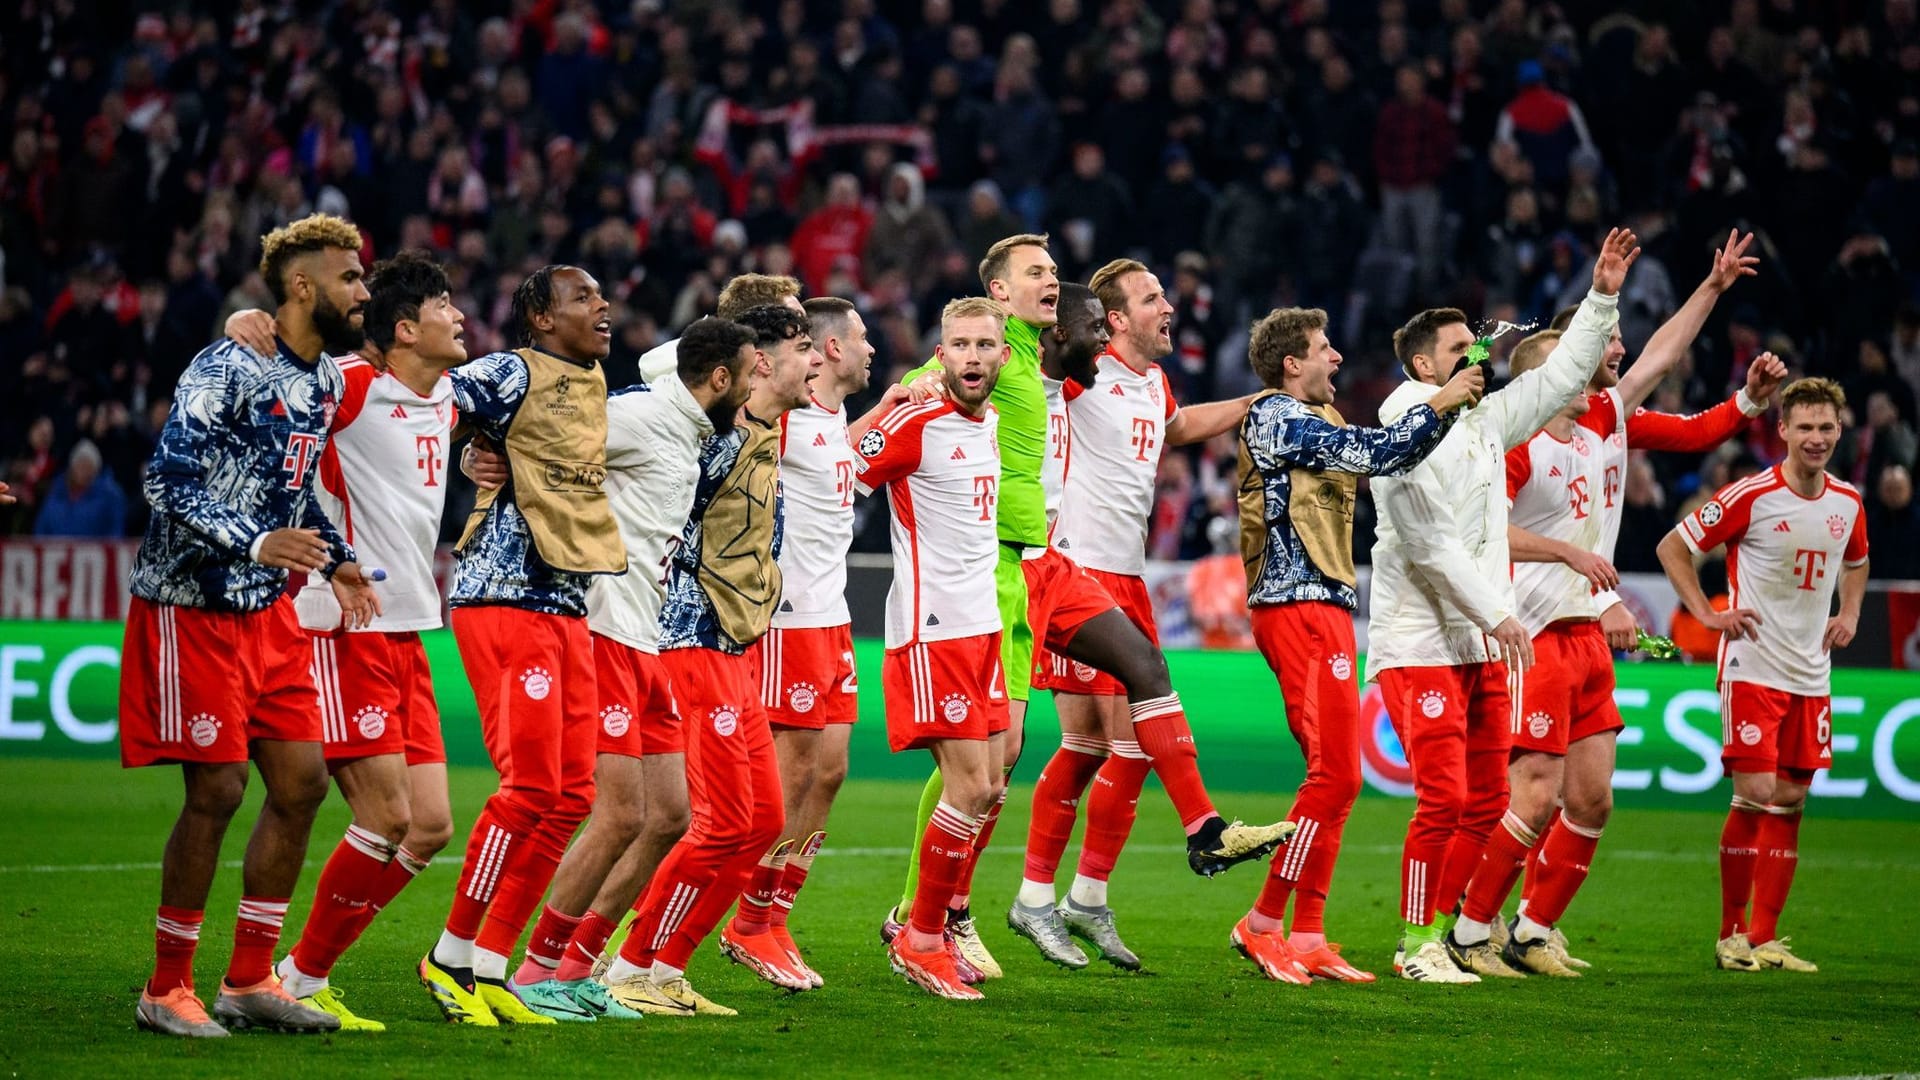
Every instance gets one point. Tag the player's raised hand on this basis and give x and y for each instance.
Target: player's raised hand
(1594, 568)
(295, 549)
(1622, 630)
(1516, 645)
(1461, 391)
(1617, 255)
(1840, 630)
(253, 328)
(1731, 263)
(893, 395)
(1764, 376)
(486, 468)
(1737, 623)
(927, 387)
(359, 603)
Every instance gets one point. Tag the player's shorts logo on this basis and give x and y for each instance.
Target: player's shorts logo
(536, 683)
(1083, 672)
(1711, 513)
(1750, 734)
(1432, 704)
(203, 730)
(872, 442)
(1342, 666)
(801, 698)
(725, 721)
(372, 722)
(615, 720)
(955, 708)
(1539, 724)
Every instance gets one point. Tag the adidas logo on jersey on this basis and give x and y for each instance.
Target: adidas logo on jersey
(958, 455)
(1117, 391)
(819, 438)
(1783, 527)
(399, 412)
(279, 407)
(1555, 471)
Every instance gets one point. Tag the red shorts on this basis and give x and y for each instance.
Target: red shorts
(951, 689)
(1568, 693)
(376, 697)
(1764, 730)
(1445, 714)
(198, 686)
(1061, 597)
(715, 690)
(1055, 671)
(638, 717)
(533, 681)
(807, 678)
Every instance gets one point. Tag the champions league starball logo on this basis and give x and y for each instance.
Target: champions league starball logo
(1383, 762)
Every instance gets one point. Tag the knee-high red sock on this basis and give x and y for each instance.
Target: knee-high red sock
(1463, 858)
(963, 888)
(524, 885)
(395, 876)
(1056, 801)
(1532, 872)
(799, 864)
(1500, 864)
(255, 933)
(341, 900)
(1739, 855)
(945, 850)
(1773, 877)
(1160, 727)
(1112, 807)
(589, 940)
(755, 912)
(176, 933)
(1309, 912)
(498, 841)
(1566, 854)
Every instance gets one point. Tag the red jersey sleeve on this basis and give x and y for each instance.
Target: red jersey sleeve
(1723, 518)
(1856, 552)
(1603, 413)
(1070, 389)
(358, 376)
(1695, 434)
(890, 449)
(1519, 468)
(1166, 389)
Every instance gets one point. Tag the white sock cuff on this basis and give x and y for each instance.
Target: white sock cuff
(1747, 805)
(1127, 748)
(950, 820)
(1591, 832)
(1518, 829)
(1154, 708)
(410, 862)
(1783, 811)
(265, 912)
(1090, 745)
(370, 843)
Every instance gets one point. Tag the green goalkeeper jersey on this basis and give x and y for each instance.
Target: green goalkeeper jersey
(1022, 404)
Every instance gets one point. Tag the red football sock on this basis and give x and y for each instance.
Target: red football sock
(1056, 801)
(1499, 867)
(755, 912)
(395, 876)
(176, 932)
(1112, 806)
(1739, 855)
(1533, 861)
(1566, 853)
(946, 848)
(794, 876)
(547, 946)
(648, 933)
(255, 934)
(962, 892)
(1773, 877)
(342, 899)
(1309, 912)
(1463, 858)
(589, 940)
(1160, 727)
(498, 840)
(524, 884)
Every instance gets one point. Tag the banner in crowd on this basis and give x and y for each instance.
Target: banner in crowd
(59, 686)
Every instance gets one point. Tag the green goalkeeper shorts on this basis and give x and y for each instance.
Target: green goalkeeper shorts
(1016, 636)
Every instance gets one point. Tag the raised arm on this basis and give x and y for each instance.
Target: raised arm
(1305, 440)
(1702, 431)
(1675, 336)
(1529, 401)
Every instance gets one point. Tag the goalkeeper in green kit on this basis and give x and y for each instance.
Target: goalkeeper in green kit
(1045, 598)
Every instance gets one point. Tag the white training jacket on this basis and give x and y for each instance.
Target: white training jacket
(653, 463)
(1441, 574)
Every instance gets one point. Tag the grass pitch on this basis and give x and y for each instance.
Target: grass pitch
(79, 878)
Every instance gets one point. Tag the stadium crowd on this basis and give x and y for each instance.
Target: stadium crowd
(1367, 158)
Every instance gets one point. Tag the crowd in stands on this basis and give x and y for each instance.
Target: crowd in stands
(1365, 157)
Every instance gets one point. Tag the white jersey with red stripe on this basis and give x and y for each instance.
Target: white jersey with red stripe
(1554, 489)
(383, 481)
(1119, 430)
(941, 469)
(1053, 467)
(1784, 555)
(817, 480)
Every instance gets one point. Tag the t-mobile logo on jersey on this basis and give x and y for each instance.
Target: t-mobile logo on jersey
(1610, 487)
(1143, 440)
(983, 495)
(1057, 435)
(843, 482)
(1811, 565)
(300, 448)
(426, 451)
(1579, 498)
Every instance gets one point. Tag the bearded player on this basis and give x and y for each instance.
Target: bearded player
(1793, 534)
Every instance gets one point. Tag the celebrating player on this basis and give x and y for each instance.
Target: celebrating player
(1299, 470)
(943, 682)
(1793, 534)
(1443, 633)
(808, 684)
(1562, 488)
(723, 581)
(528, 552)
(215, 669)
(741, 294)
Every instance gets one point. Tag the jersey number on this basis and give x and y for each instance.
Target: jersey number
(984, 496)
(300, 449)
(850, 684)
(1811, 565)
(428, 456)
